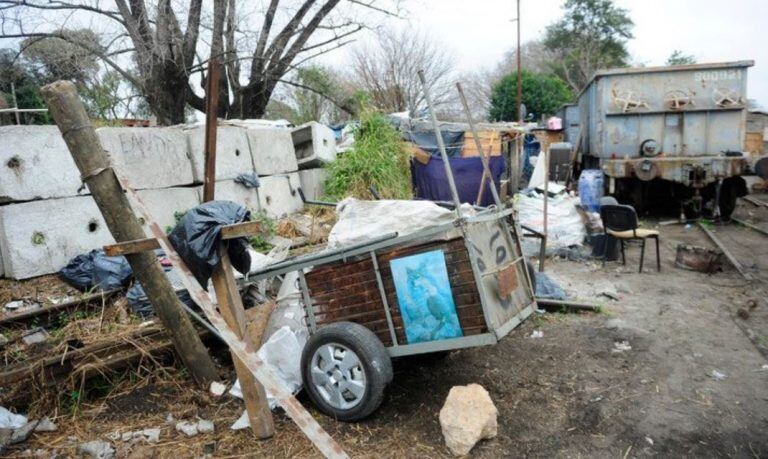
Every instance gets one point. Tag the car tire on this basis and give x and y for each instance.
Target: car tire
(346, 370)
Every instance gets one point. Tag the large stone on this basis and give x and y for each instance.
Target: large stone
(467, 417)
(166, 203)
(40, 237)
(315, 145)
(149, 157)
(272, 150)
(313, 182)
(228, 190)
(233, 155)
(279, 195)
(35, 164)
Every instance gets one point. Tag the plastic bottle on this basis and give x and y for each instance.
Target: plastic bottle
(591, 189)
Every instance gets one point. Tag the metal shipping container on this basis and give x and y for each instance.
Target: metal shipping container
(684, 124)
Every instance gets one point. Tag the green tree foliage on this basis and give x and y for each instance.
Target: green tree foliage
(542, 94)
(26, 82)
(678, 58)
(379, 158)
(311, 99)
(592, 35)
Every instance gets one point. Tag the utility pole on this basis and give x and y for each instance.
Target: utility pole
(519, 69)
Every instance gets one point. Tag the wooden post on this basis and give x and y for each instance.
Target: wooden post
(68, 112)
(542, 255)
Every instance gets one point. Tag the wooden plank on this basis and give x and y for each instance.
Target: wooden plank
(234, 231)
(231, 308)
(316, 434)
(727, 253)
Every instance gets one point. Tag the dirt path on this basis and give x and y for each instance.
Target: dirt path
(568, 394)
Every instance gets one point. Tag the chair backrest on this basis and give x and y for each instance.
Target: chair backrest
(618, 217)
(608, 201)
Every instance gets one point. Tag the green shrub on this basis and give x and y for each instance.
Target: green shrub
(379, 158)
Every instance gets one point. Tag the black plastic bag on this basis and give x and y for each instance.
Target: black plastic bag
(140, 304)
(96, 270)
(196, 238)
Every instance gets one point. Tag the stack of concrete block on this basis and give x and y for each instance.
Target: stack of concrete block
(47, 216)
(315, 145)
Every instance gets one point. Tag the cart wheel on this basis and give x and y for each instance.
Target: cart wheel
(345, 370)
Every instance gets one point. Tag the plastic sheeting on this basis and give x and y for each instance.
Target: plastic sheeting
(564, 225)
(96, 270)
(431, 183)
(196, 238)
(360, 221)
(548, 288)
(426, 140)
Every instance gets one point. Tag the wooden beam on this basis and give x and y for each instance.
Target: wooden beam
(211, 120)
(316, 434)
(234, 231)
(96, 171)
(727, 253)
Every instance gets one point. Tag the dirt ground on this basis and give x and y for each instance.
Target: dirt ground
(694, 382)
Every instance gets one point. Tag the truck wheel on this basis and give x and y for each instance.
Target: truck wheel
(345, 370)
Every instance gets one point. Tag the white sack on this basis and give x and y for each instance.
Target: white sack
(564, 225)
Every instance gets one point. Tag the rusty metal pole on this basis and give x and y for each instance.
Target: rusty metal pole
(211, 120)
(69, 113)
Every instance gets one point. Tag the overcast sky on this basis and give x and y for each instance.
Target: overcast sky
(480, 31)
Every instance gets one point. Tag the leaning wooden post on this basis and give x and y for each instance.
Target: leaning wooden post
(67, 110)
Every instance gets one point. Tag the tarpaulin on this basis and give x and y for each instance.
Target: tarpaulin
(427, 141)
(430, 182)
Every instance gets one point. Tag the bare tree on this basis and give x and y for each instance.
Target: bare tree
(387, 70)
(163, 42)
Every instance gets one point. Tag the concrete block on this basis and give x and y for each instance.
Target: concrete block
(228, 190)
(272, 150)
(233, 155)
(164, 203)
(313, 182)
(35, 164)
(279, 195)
(40, 237)
(149, 157)
(314, 143)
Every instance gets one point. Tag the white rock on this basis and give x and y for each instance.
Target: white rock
(204, 426)
(537, 334)
(467, 417)
(187, 428)
(45, 425)
(718, 376)
(151, 435)
(217, 389)
(621, 346)
(97, 449)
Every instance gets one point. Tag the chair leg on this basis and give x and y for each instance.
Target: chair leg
(658, 259)
(642, 255)
(608, 238)
(623, 258)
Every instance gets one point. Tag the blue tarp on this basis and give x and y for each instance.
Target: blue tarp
(430, 182)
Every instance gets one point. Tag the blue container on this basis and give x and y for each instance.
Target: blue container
(591, 189)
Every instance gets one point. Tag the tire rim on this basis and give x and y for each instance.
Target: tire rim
(338, 376)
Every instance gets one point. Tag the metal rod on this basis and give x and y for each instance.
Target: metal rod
(314, 203)
(543, 251)
(478, 145)
(725, 251)
(15, 103)
(384, 301)
(750, 226)
(23, 110)
(441, 145)
(519, 70)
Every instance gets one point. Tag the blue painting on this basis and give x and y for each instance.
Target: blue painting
(424, 296)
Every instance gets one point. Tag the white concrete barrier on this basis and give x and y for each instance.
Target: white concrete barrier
(165, 203)
(233, 155)
(40, 237)
(272, 150)
(35, 164)
(279, 195)
(149, 157)
(313, 183)
(315, 144)
(228, 190)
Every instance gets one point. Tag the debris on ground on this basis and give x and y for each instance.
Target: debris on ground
(546, 287)
(217, 389)
(604, 287)
(97, 449)
(10, 420)
(717, 375)
(621, 346)
(45, 425)
(537, 334)
(192, 428)
(467, 417)
(35, 336)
